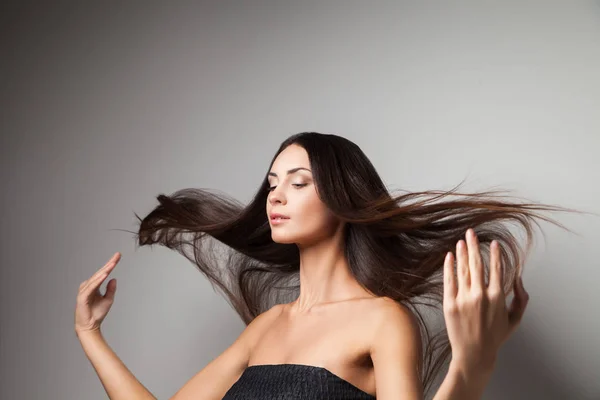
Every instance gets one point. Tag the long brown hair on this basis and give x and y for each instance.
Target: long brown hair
(395, 244)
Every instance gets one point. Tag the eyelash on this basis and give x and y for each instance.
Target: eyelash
(297, 185)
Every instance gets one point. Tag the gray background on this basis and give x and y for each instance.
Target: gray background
(104, 106)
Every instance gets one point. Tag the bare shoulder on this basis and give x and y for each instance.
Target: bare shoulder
(258, 326)
(390, 318)
(386, 307)
(396, 351)
(213, 381)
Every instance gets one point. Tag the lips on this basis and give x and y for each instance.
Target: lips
(277, 216)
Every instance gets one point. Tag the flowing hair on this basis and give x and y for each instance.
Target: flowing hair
(395, 244)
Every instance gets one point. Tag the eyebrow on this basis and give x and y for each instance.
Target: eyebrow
(290, 171)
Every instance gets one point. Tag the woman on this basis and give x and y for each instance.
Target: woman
(327, 269)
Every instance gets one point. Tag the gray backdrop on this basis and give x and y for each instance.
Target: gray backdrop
(104, 106)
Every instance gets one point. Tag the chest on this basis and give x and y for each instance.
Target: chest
(337, 339)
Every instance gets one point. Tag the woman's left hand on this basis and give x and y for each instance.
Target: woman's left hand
(477, 319)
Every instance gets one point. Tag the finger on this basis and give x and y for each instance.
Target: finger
(111, 288)
(449, 282)
(475, 264)
(107, 267)
(462, 266)
(111, 263)
(496, 275)
(94, 284)
(518, 305)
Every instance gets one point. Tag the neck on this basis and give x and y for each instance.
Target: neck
(324, 276)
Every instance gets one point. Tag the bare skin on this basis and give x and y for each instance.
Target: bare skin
(335, 323)
(333, 336)
(330, 324)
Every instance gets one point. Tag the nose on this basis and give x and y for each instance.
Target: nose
(276, 196)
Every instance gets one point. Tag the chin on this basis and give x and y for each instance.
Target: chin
(282, 240)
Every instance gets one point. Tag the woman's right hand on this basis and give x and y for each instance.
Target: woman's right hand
(92, 306)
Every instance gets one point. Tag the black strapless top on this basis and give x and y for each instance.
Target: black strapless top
(292, 382)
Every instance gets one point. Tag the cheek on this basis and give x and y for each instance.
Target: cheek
(311, 221)
(315, 217)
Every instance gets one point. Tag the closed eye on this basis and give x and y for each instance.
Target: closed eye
(297, 185)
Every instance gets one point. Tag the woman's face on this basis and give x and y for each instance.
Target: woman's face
(294, 195)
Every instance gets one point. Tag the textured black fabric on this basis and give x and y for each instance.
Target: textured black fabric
(292, 382)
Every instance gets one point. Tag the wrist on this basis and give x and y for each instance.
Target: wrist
(477, 377)
(81, 333)
(483, 365)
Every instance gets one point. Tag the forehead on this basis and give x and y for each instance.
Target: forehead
(291, 157)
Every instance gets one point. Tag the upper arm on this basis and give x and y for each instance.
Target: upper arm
(215, 379)
(396, 354)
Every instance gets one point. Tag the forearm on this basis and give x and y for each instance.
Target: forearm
(459, 384)
(117, 380)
